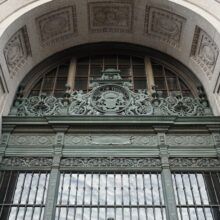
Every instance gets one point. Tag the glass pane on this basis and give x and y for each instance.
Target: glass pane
(139, 71)
(63, 70)
(125, 70)
(110, 60)
(160, 83)
(172, 83)
(140, 83)
(81, 83)
(110, 67)
(48, 83)
(82, 70)
(157, 70)
(137, 61)
(96, 70)
(61, 82)
(97, 60)
(125, 60)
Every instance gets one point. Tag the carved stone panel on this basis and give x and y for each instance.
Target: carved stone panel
(31, 140)
(194, 163)
(87, 140)
(27, 162)
(190, 140)
(108, 162)
(17, 50)
(57, 25)
(110, 16)
(204, 51)
(163, 25)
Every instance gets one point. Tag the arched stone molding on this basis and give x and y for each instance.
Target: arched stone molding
(181, 29)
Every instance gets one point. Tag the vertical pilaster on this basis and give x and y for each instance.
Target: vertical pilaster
(166, 176)
(215, 131)
(3, 145)
(216, 137)
(53, 186)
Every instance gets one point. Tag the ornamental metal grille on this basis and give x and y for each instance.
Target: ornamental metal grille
(102, 196)
(197, 195)
(22, 195)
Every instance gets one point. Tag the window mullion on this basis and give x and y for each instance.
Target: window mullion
(53, 185)
(52, 194)
(72, 73)
(169, 197)
(149, 74)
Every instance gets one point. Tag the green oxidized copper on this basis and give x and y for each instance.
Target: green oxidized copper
(111, 95)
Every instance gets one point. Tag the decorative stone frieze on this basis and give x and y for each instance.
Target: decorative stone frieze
(17, 50)
(113, 16)
(57, 25)
(194, 163)
(189, 140)
(108, 162)
(26, 162)
(88, 140)
(163, 25)
(204, 51)
(31, 140)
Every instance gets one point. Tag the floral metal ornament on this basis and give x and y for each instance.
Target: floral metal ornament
(111, 95)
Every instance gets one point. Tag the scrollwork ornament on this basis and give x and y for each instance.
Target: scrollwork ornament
(111, 95)
(194, 162)
(40, 106)
(108, 162)
(27, 161)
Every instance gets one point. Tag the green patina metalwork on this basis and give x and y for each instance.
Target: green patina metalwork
(111, 128)
(111, 95)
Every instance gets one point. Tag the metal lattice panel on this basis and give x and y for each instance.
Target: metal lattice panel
(132, 196)
(23, 195)
(197, 195)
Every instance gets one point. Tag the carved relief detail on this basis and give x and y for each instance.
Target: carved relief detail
(108, 162)
(194, 162)
(27, 161)
(110, 140)
(204, 51)
(17, 50)
(164, 25)
(31, 140)
(57, 25)
(192, 140)
(110, 16)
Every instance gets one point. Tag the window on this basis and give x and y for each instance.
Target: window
(143, 74)
(101, 196)
(22, 195)
(52, 83)
(197, 195)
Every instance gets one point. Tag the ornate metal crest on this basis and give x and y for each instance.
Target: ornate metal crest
(110, 95)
